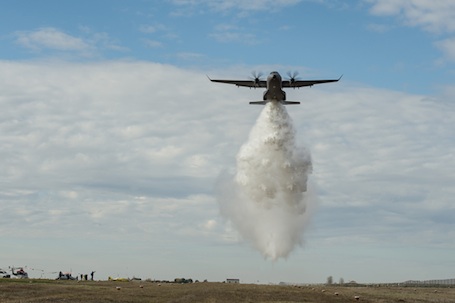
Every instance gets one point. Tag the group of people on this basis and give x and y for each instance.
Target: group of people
(68, 276)
(85, 277)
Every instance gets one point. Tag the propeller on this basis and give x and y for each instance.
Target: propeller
(256, 77)
(292, 77)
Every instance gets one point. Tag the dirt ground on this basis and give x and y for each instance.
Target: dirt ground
(142, 291)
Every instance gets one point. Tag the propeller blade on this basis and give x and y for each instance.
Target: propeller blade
(292, 76)
(256, 77)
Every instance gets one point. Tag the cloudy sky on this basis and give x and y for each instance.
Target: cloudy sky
(112, 138)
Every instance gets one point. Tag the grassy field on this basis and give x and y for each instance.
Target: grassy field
(141, 291)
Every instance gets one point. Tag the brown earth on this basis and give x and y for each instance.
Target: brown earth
(140, 291)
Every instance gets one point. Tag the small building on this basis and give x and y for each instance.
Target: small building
(233, 281)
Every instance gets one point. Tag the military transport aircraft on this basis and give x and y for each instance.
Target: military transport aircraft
(274, 85)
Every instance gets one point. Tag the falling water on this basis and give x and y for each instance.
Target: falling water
(267, 200)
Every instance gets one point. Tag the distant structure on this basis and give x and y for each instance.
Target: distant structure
(431, 282)
(183, 280)
(233, 281)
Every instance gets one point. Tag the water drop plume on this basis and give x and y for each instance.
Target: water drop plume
(267, 199)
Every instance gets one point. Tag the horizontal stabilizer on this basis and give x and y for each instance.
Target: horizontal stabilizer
(282, 102)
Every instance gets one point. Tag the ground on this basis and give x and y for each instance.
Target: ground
(142, 291)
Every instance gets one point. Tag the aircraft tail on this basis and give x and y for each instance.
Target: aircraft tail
(290, 102)
(258, 102)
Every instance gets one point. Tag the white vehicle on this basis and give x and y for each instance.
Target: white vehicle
(4, 274)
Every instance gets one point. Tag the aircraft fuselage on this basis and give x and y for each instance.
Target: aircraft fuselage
(274, 91)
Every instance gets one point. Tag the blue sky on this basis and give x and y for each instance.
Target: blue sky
(327, 37)
(112, 138)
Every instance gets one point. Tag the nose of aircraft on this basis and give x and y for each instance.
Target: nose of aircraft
(274, 76)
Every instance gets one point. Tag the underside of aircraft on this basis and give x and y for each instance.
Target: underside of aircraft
(274, 85)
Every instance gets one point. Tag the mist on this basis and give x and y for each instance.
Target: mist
(268, 200)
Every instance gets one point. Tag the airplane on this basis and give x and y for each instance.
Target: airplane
(274, 85)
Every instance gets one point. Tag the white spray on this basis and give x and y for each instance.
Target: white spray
(267, 200)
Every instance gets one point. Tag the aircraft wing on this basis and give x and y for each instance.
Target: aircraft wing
(245, 83)
(300, 83)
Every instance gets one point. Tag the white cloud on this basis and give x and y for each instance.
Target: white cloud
(51, 38)
(380, 28)
(233, 5)
(431, 15)
(153, 43)
(236, 37)
(447, 46)
(253, 5)
(435, 16)
(190, 56)
(238, 4)
(103, 41)
(130, 151)
(151, 29)
(227, 33)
